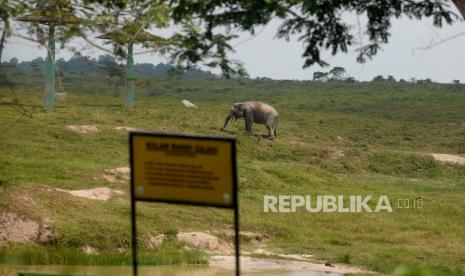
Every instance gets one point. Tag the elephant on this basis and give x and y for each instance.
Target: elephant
(254, 112)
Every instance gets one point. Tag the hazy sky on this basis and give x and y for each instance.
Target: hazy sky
(265, 56)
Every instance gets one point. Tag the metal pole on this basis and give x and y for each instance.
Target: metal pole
(129, 103)
(237, 239)
(133, 236)
(49, 93)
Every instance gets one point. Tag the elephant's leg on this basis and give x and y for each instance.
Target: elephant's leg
(270, 131)
(248, 122)
(275, 126)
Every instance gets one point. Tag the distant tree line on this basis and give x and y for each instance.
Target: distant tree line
(391, 79)
(340, 74)
(104, 65)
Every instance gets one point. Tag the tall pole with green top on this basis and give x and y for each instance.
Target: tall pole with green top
(129, 102)
(49, 93)
(137, 37)
(52, 20)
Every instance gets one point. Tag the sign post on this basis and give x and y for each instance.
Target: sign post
(183, 169)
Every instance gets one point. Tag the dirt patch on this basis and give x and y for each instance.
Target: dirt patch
(299, 143)
(336, 153)
(204, 241)
(125, 128)
(84, 129)
(155, 241)
(14, 228)
(89, 250)
(298, 257)
(103, 193)
(254, 238)
(110, 177)
(164, 128)
(188, 104)
(250, 264)
(117, 174)
(199, 240)
(449, 158)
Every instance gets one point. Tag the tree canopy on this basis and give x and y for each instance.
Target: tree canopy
(206, 28)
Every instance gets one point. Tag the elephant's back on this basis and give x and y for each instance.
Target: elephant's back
(265, 107)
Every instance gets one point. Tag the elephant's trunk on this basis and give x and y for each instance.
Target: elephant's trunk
(227, 121)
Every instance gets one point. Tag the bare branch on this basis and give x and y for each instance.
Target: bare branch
(432, 45)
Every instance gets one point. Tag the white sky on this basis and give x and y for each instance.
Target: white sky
(265, 56)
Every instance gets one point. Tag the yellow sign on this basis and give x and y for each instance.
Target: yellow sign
(185, 169)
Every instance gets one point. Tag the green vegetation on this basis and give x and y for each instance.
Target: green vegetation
(171, 252)
(333, 138)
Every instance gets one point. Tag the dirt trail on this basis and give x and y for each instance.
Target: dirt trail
(250, 264)
(102, 193)
(128, 129)
(117, 174)
(449, 158)
(84, 129)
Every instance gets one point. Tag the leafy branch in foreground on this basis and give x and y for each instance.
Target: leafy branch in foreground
(208, 27)
(318, 24)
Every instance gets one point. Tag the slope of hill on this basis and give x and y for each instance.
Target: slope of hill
(333, 139)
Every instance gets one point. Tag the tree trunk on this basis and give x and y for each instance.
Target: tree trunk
(2, 40)
(460, 4)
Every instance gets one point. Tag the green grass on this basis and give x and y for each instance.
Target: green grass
(171, 252)
(384, 132)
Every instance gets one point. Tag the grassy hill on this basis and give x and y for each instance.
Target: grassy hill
(333, 139)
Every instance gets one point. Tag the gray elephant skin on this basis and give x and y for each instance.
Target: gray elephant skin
(254, 112)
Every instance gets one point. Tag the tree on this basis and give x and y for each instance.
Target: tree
(8, 9)
(350, 80)
(320, 76)
(13, 61)
(316, 23)
(108, 65)
(378, 78)
(390, 78)
(207, 28)
(425, 81)
(338, 73)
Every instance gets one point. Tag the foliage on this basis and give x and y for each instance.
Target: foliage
(350, 80)
(378, 78)
(425, 81)
(104, 65)
(336, 73)
(172, 252)
(391, 79)
(208, 27)
(320, 76)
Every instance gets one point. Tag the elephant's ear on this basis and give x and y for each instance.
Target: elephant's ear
(238, 106)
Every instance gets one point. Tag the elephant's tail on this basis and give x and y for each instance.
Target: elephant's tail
(276, 126)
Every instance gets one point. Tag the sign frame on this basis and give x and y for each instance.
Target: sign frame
(234, 205)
